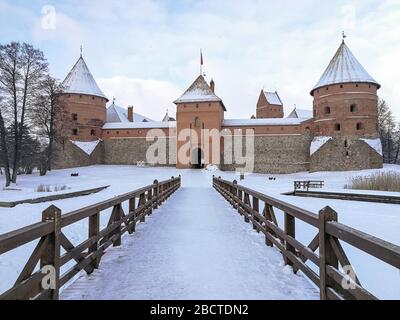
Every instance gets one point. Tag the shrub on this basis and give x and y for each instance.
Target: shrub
(382, 181)
(40, 188)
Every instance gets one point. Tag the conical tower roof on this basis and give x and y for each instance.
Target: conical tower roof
(344, 68)
(199, 91)
(80, 81)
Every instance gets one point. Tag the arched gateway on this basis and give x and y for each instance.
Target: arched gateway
(197, 158)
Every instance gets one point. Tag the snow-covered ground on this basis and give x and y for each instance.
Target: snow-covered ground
(382, 220)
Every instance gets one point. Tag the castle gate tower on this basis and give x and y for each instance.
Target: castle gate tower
(198, 109)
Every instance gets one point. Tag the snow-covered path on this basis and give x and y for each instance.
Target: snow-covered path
(194, 247)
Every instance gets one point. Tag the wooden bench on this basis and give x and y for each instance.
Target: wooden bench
(307, 184)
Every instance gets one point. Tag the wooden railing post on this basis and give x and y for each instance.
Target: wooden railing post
(132, 209)
(149, 199)
(117, 217)
(326, 253)
(142, 200)
(51, 256)
(290, 230)
(256, 207)
(267, 216)
(94, 229)
(240, 198)
(235, 194)
(156, 194)
(245, 211)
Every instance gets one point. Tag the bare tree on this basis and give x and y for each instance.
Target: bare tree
(389, 133)
(47, 108)
(22, 69)
(4, 157)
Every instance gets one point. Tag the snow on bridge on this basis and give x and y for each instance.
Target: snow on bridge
(194, 247)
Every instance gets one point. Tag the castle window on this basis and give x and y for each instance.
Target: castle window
(197, 105)
(360, 126)
(108, 132)
(347, 154)
(353, 108)
(337, 127)
(356, 85)
(307, 128)
(92, 132)
(117, 132)
(327, 88)
(327, 110)
(341, 86)
(74, 132)
(346, 144)
(74, 117)
(197, 122)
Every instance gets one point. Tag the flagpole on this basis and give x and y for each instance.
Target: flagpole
(201, 62)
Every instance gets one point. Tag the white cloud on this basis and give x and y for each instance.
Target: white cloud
(281, 45)
(66, 30)
(149, 97)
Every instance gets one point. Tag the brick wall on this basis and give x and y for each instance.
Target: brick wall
(345, 153)
(279, 154)
(67, 155)
(131, 151)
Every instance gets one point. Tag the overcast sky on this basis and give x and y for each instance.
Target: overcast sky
(146, 53)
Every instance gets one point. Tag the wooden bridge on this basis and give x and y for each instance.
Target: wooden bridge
(198, 253)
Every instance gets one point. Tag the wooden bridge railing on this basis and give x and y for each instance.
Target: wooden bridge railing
(44, 283)
(335, 283)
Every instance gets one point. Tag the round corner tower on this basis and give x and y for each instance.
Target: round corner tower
(345, 109)
(84, 104)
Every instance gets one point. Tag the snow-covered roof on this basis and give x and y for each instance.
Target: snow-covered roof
(344, 68)
(168, 118)
(119, 114)
(262, 122)
(317, 143)
(80, 81)
(301, 113)
(199, 91)
(273, 98)
(140, 125)
(86, 146)
(375, 144)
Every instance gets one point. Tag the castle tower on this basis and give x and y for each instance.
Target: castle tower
(85, 105)
(198, 108)
(269, 105)
(345, 109)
